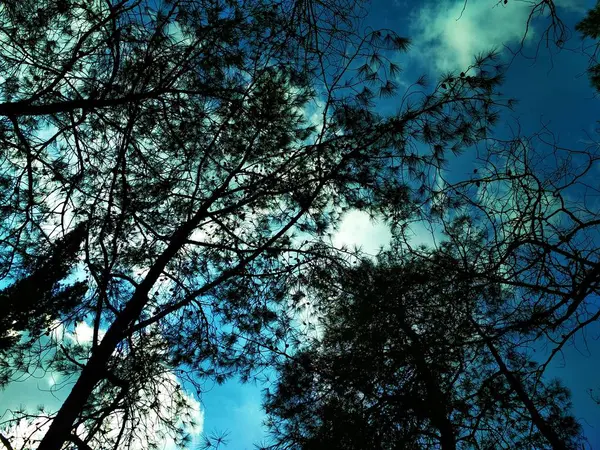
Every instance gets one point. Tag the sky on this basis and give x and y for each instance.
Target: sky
(552, 89)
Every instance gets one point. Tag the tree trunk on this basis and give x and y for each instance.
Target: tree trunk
(95, 369)
(437, 407)
(555, 441)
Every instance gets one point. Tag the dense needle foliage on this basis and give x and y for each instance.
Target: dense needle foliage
(403, 362)
(170, 175)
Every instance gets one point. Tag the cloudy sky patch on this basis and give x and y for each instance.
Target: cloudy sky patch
(449, 33)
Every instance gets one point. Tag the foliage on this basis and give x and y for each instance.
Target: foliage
(402, 363)
(42, 295)
(178, 132)
(590, 27)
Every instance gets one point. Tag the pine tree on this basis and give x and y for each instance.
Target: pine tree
(177, 131)
(42, 293)
(403, 363)
(589, 27)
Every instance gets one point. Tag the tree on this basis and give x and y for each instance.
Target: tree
(540, 221)
(541, 234)
(538, 224)
(176, 132)
(536, 254)
(589, 27)
(404, 361)
(41, 295)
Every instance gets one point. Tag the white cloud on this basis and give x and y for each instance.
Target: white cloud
(449, 33)
(167, 398)
(449, 37)
(26, 431)
(423, 233)
(83, 333)
(358, 230)
(313, 113)
(42, 387)
(53, 378)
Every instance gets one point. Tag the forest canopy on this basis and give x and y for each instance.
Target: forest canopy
(171, 175)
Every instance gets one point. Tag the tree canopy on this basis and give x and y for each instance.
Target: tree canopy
(589, 27)
(170, 173)
(171, 138)
(407, 359)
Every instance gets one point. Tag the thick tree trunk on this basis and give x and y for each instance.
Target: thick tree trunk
(95, 369)
(437, 407)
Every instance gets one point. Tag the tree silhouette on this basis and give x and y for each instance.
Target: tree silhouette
(41, 295)
(533, 275)
(538, 229)
(177, 131)
(590, 27)
(404, 362)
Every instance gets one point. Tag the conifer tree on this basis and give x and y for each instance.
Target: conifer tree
(41, 294)
(178, 132)
(403, 361)
(589, 27)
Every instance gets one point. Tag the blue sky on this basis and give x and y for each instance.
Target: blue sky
(552, 89)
